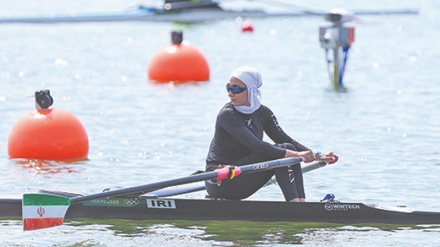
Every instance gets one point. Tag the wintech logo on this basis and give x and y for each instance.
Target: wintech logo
(341, 207)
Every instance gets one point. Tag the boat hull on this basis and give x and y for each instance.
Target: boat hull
(149, 208)
(192, 15)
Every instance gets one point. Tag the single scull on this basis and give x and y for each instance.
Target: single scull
(157, 203)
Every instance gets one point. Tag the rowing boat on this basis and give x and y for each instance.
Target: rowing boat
(171, 11)
(143, 14)
(161, 204)
(182, 12)
(169, 208)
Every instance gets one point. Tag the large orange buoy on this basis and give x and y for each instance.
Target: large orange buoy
(48, 134)
(178, 63)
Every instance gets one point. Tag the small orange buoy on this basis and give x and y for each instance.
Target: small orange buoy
(247, 27)
(178, 63)
(48, 134)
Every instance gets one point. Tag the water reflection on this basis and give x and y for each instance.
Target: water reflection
(217, 233)
(49, 167)
(245, 233)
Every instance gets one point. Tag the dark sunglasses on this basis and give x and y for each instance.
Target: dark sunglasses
(235, 90)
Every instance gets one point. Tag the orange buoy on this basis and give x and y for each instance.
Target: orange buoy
(178, 63)
(247, 27)
(48, 134)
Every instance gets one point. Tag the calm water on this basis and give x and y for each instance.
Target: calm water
(385, 128)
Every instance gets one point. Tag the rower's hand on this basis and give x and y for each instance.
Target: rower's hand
(328, 158)
(308, 156)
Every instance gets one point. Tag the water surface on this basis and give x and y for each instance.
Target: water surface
(385, 127)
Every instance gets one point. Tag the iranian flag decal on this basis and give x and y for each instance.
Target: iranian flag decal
(41, 211)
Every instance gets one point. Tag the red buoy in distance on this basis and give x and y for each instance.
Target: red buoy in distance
(247, 27)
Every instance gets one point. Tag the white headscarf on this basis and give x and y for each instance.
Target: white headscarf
(252, 78)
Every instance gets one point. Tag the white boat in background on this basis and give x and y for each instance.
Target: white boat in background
(190, 11)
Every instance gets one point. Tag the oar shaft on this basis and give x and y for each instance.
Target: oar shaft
(269, 165)
(146, 188)
(173, 191)
(217, 174)
(313, 166)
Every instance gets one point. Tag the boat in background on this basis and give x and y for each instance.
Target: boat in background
(170, 11)
(188, 11)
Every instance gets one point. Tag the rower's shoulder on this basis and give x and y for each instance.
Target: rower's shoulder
(228, 108)
(228, 114)
(265, 110)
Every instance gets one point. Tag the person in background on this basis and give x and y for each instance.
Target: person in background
(238, 140)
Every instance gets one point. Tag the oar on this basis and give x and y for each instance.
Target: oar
(42, 210)
(174, 191)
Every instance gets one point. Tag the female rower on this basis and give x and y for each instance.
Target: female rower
(238, 140)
